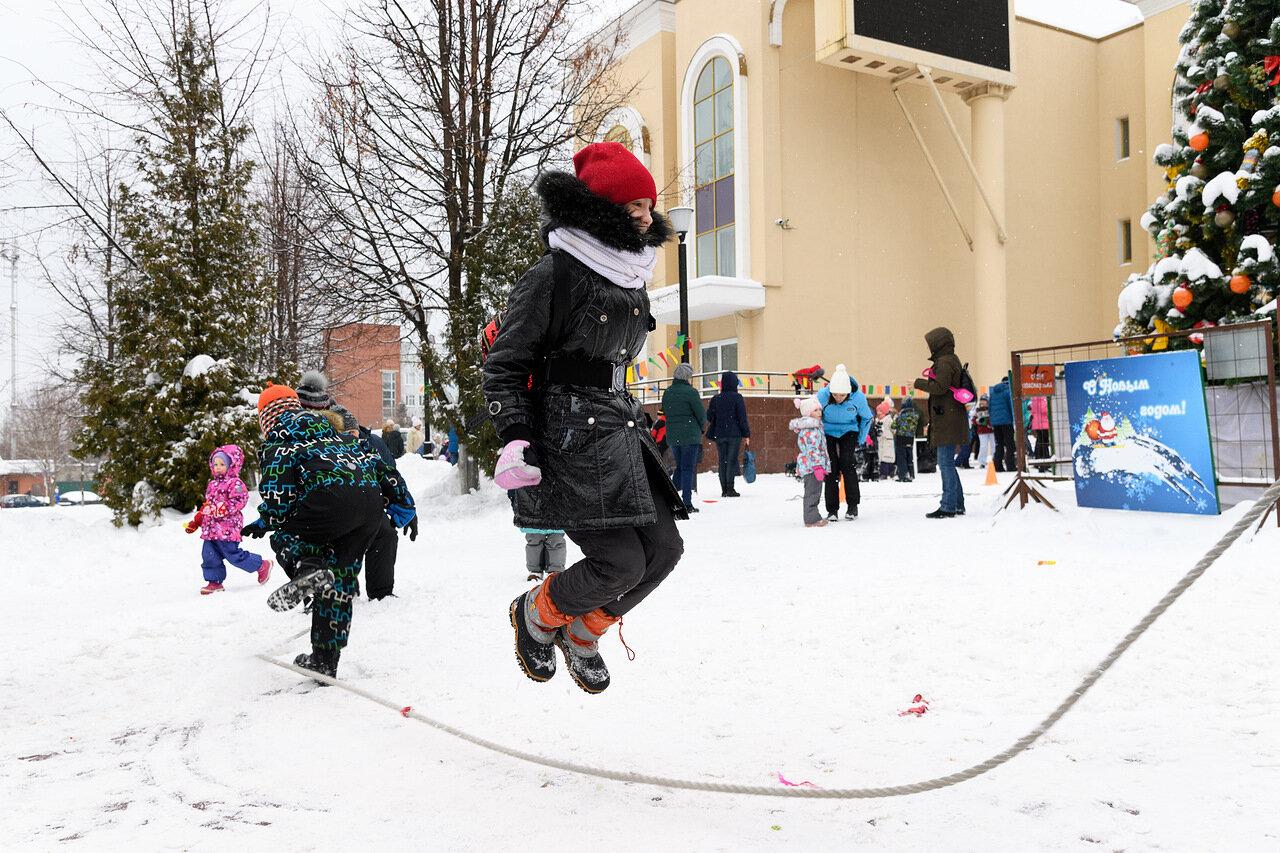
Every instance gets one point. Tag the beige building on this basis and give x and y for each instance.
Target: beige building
(822, 233)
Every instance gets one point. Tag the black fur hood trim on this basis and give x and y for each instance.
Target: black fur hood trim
(566, 202)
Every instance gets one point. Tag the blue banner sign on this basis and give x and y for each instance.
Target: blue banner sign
(1140, 433)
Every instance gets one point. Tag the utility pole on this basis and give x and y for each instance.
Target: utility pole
(12, 255)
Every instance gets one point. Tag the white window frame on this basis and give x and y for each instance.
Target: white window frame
(727, 46)
(718, 346)
(630, 118)
(395, 393)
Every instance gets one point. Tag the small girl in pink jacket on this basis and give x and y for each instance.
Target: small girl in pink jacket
(219, 521)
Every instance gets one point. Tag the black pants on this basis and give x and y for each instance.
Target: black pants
(1006, 449)
(332, 527)
(622, 565)
(844, 463)
(380, 562)
(903, 445)
(727, 450)
(1042, 444)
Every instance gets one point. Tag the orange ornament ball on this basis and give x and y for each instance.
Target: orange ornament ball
(1275, 197)
(1241, 283)
(1199, 142)
(1181, 297)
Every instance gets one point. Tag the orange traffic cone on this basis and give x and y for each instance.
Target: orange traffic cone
(991, 473)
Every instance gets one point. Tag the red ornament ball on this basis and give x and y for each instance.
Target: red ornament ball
(1199, 142)
(1182, 298)
(1241, 283)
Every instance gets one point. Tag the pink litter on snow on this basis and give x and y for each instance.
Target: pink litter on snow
(922, 705)
(790, 784)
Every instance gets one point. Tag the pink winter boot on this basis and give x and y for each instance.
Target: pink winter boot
(264, 571)
(210, 588)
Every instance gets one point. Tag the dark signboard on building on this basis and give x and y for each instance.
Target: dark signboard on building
(975, 31)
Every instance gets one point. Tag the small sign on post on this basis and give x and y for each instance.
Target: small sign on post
(1037, 380)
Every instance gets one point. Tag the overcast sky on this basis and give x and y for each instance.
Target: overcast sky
(36, 48)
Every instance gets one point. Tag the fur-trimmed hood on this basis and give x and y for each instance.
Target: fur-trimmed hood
(566, 202)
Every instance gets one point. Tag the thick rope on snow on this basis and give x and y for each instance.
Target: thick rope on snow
(1268, 497)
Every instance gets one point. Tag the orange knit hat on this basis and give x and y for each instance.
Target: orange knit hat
(274, 392)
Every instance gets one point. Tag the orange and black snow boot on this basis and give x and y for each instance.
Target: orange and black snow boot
(579, 642)
(534, 650)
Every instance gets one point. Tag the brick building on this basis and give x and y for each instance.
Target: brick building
(362, 361)
(20, 477)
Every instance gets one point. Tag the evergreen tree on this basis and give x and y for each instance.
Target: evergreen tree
(172, 391)
(1215, 226)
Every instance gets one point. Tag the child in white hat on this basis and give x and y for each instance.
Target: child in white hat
(812, 462)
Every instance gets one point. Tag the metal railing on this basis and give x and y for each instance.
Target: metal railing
(751, 383)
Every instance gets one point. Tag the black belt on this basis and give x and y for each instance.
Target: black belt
(584, 372)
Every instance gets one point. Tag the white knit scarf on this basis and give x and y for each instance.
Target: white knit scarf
(632, 270)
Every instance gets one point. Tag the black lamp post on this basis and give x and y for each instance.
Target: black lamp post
(681, 220)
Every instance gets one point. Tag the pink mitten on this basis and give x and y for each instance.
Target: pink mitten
(820, 474)
(512, 471)
(869, 441)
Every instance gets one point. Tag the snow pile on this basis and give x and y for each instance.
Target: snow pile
(198, 366)
(1258, 244)
(1134, 295)
(1146, 220)
(1093, 18)
(1222, 186)
(1187, 185)
(1172, 265)
(1196, 265)
(1208, 115)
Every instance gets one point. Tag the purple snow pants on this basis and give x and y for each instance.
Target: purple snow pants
(215, 552)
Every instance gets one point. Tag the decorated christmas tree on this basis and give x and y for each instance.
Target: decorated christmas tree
(1215, 226)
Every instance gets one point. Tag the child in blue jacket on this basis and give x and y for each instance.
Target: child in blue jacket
(846, 421)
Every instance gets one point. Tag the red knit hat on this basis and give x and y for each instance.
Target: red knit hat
(274, 392)
(613, 172)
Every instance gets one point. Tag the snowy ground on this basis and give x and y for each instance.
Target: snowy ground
(134, 715)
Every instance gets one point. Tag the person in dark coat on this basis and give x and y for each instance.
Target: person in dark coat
(380, 557)
(685, 420)
(324, 495)
(727, 426)
(394, 439)
(948, 420)
(575, 448)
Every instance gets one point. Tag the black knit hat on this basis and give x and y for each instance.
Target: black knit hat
(313, 391)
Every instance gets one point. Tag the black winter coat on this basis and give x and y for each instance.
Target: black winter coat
(395, 442)
(727, 411)
(591, 443)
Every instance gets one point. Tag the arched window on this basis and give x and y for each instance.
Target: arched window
(621, 135)
(713, 168)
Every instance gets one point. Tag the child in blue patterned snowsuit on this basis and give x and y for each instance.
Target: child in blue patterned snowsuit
(323, 498)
